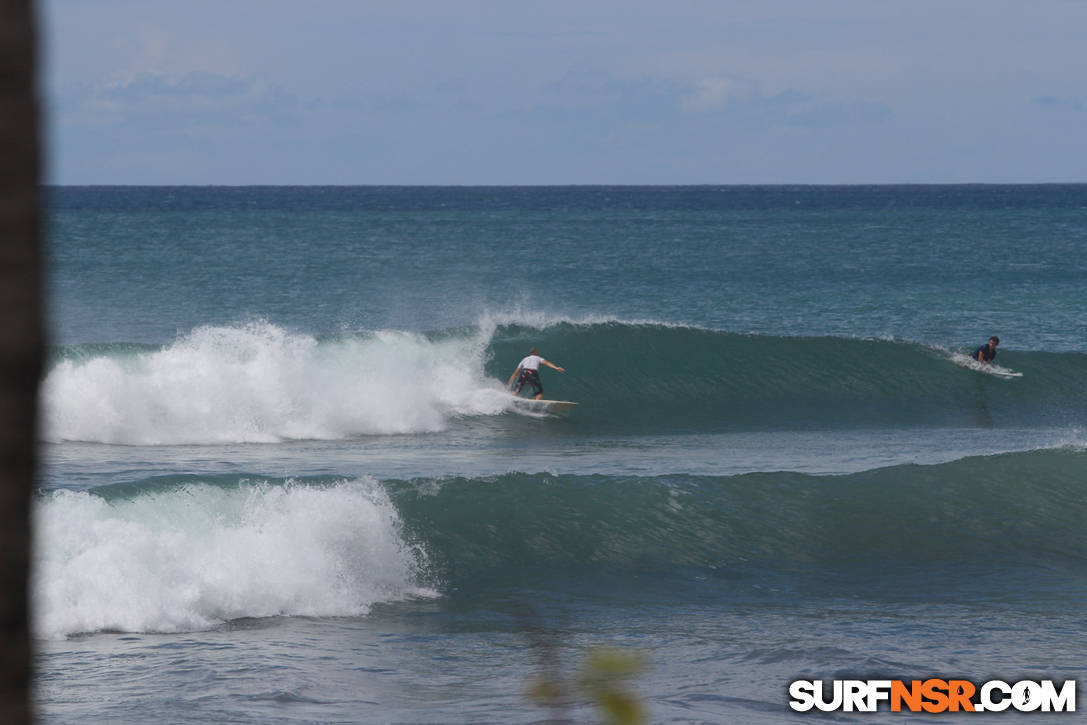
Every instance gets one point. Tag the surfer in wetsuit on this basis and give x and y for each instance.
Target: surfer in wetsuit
(987, 352)
(528, 371)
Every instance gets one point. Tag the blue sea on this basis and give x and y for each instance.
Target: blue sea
(282, 481)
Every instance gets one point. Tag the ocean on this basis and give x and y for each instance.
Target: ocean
(282, 481)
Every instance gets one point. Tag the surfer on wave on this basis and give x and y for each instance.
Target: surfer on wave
(987, 352)
(528, 371)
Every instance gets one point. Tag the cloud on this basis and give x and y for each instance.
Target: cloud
(1073, 105)
(711, 94)
(715, 101)
(158, 99)
(194, 85)
(200, 91)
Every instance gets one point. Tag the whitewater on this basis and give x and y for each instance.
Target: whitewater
(283, 480)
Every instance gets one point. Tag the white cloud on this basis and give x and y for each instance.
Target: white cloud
(711, 94)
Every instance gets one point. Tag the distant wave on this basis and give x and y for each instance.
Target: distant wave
(262, 383)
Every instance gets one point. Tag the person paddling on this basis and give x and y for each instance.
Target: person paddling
(528, 371)
(987, 352)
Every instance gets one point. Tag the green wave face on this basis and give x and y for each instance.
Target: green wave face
(655, 377)
(1024, 507)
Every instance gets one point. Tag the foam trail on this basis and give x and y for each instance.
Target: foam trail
(189, 557)
(261, 383)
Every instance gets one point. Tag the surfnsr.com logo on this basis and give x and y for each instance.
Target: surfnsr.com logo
(932, 695)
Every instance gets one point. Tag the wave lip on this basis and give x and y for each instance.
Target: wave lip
(188, 554)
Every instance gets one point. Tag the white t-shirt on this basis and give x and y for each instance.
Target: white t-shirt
(532, 362)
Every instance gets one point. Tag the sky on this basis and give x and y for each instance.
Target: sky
(477, 92)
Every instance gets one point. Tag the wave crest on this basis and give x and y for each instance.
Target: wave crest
(187, 555)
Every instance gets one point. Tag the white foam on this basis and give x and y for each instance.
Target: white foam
(190, 558)
(965, 361)
(261, 383)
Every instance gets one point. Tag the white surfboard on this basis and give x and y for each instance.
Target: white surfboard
(548, 407)
(965, 361)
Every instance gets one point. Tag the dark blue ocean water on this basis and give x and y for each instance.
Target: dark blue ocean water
(283, 481)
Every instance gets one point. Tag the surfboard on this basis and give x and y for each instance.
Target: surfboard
(965, 361)
(549, 407)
